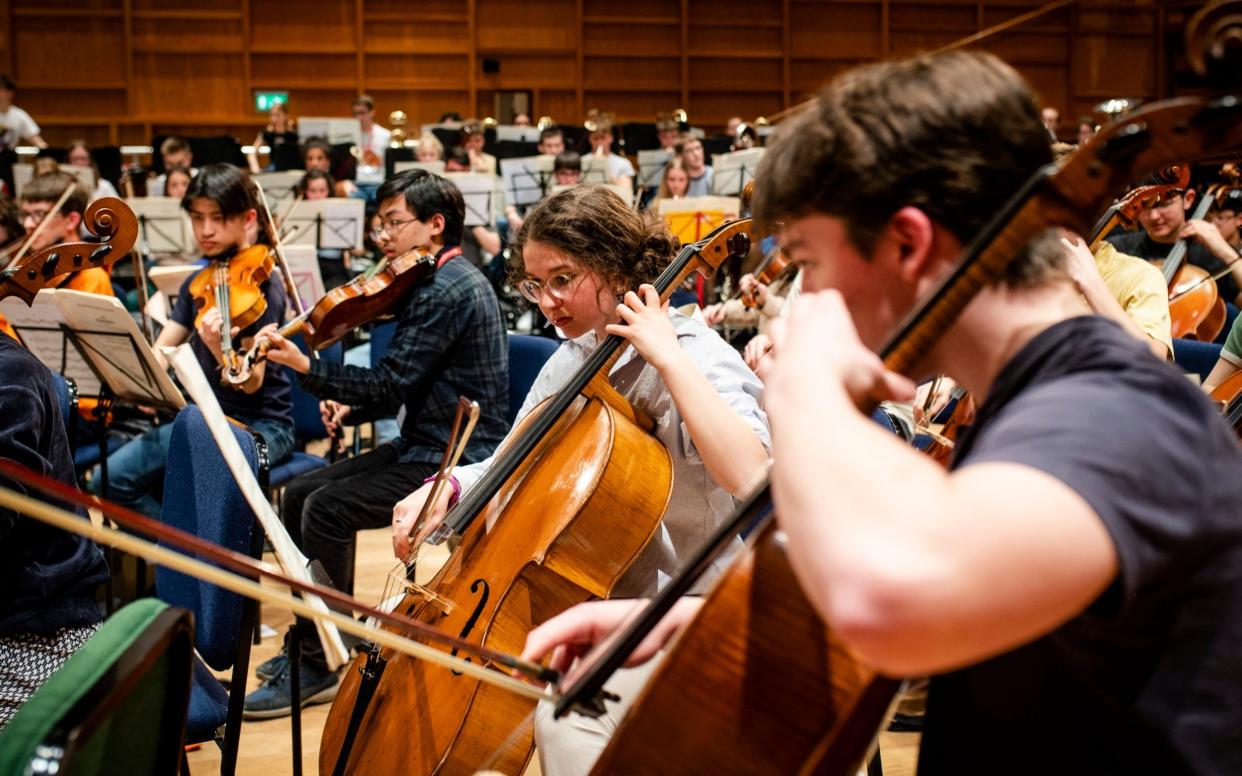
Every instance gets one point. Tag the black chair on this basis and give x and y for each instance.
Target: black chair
(117, 706)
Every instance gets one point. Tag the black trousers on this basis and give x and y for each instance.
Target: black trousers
(325, 509)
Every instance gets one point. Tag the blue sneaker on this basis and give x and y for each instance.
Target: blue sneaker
(272, 666)
(273, 699)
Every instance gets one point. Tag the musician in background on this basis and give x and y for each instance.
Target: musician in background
(1052, 122)
(175, 152)
(79, 155)
(1164, 222)
(551, 143)
(222, 208)
(1072, 602)
(1226, 216)
(177, 182)
(16, 125)
(690, 149)
(333, 262)
(316, 154)
(667, 131)
(281, 139)
(1086, 130)
(48, 577)
(620, 170)
(429, 148)
(674, 182)
(473, 138)
(372, 150)
(1125, 289)
(450, 341)
(567, 169)
(521, 120)
(38, 198)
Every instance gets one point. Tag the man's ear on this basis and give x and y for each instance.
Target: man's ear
(436, 222)
(73, 222)
(913, 235)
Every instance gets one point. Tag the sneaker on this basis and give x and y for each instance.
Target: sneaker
(272, 666)
(273, 698)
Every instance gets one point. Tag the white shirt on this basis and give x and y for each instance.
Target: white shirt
(697, 504)
(16, 126)
(619, 167)
(377, 141)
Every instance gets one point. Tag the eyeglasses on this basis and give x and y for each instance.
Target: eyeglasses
(35, 216)
(561, 286)
(392, 227)
(1164, 202)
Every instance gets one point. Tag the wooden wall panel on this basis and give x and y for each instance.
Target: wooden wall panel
(195, 63)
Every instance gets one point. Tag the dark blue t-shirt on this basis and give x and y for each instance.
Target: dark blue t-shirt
(274, 399)
(48, 576)
(1148, 679)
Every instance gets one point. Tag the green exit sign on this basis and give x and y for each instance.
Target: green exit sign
(263, 101)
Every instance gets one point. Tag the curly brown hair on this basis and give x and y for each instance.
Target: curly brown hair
(599, 231)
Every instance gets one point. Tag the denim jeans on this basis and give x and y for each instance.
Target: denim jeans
(136, 470)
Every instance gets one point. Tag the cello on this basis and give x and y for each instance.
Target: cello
(583, 486)
(1195, 306)
(756, 682)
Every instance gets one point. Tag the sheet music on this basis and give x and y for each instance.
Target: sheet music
(23, 173)
(476, 189)
(167, 227)
(39, 329)
(526, 178)
(334, 130)
(280, 187)
(732, 171)
(111, 341)
(517, 134)
(169, 278)
(595, 169)
(692, 218)
(304, 269)
(334, 223)
(651, 166)
(432, 167)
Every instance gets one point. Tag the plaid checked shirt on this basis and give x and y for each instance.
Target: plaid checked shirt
(450, 341)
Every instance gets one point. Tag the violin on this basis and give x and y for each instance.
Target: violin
(756, 682)
(771, 268)
(233, 285)
(347, 307)
(108, 218)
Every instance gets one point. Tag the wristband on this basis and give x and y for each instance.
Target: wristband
(453, 499)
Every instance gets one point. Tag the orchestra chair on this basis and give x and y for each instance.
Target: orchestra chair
(527, 355)
(202, 497)
(307, 424)
(381, 338)
(117, 706)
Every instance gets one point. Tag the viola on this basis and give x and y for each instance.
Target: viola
(773, 266)
(348, 307)
(233, 285)
(756, 680)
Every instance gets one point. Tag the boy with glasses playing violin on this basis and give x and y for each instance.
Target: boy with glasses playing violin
(450, 341)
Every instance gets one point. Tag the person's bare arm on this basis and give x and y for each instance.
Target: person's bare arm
(918, 569)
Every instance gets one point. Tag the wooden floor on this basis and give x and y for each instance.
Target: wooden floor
(266, 745)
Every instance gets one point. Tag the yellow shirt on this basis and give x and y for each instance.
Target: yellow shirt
(1140, 289)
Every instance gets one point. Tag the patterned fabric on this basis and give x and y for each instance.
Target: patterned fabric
(27, 661)
(449, 342)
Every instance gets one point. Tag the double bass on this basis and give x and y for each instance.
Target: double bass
(756, 682)
(583, 487)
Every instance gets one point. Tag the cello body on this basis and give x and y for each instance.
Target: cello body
(757, 685)
(1198, 313)
(576, 515)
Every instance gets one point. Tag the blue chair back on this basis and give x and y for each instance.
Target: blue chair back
(201, 497)
(307, 422)
(381, 338)
(527, 355)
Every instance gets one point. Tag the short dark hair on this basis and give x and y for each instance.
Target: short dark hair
(49, 186)
(172, 144)
(449, 115)
(6, 83)
(551, 131)
(316, 142)
(228, 186)
(457, 155)
(425, 195)
(907, 133)
(365, 100)
(314, 175)
(567, 160)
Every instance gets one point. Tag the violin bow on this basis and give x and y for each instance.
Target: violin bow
(277, 245)
(240, 574)
(47, 218)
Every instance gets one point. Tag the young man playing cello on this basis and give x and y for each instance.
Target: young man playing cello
(450, 342)
(1079, 609)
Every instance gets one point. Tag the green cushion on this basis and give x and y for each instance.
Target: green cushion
(37, 718)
